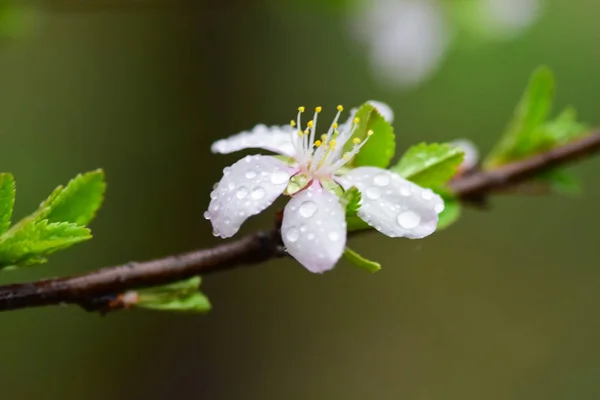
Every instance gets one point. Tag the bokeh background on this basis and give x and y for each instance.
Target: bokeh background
(502, 305)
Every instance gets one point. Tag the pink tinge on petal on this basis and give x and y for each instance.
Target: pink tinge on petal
(392, 205)
(277, 139)
(247, 188)
(314, 229)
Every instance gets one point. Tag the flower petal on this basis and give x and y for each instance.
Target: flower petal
(471, 153)
(277, 139)
(314, 229)
(247, 188)
(392, 205)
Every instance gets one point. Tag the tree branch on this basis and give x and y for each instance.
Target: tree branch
(100, 290)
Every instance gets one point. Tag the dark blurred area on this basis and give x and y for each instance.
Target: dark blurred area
(502, 305)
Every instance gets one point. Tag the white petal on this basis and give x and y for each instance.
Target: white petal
(385, 110)
(393, 205)
(471, 153)
(277, 139)
(247, 188)
(314, 229)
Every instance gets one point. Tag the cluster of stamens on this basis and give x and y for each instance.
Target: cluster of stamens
(323, 156)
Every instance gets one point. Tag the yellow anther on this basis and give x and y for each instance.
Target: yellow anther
(335, 125)
(317, 143)
(356, 140)
(301, 109)
(300, 133)
(306, 131)
(293, 123)
(319, 109)
(346, 156)
(310, 123)
(324, 137)
(323, 143)
(332, 144)
(340, 108)
(370, 132)
(356, 120)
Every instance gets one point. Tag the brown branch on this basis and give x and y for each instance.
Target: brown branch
(100, 290)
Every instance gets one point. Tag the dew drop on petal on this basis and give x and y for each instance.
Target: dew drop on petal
(427, 194)
(278, 177)
(308, 209)
(251, 174)
(373, 193)
(231, 185)
(333, 236)
(213, 195)
(438, 208)
(303, 228)
(216, 233)
(311, 236)
(241, 192)
(227, 221)
(409, 219)
(258, 193)
(381, 180)
(206, 215)
(405, 191)
(292, 234)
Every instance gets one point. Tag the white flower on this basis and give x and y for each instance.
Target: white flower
(314, 222)
(471, 154)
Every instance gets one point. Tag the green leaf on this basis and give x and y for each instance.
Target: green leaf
(430, 165)
(29, 243)
(561, 181)
(183, 296)
(7, 200)
(351, 199)
(451, 213)
(297, 183)
(531, 112)
(361, 262)
(381, 145)
(77, 202)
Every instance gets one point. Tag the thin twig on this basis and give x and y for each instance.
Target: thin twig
(97, 291)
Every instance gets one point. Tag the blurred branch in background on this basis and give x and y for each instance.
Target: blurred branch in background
(114, 288)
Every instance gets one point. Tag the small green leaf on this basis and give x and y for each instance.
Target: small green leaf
(29, 243)
(183, 296)
(297, 183)
(561, 181)
(77, 202)
(532, 111)
(7, 200)
(430, 165)
(333, 187)
(451, 213)
(351, 199)
(381, 145)
(361, 262)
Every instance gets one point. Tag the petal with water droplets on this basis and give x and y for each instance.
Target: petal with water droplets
(247, 188)
(277, 139)
(392, 205)
(314, 229)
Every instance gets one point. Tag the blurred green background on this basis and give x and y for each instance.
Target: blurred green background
(503, 305)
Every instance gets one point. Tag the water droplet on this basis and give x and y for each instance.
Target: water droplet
(311, 236)
(303, 228)
(241, 192)
(251, 174)
(216, 233)
(319, 222)
(231, 185)
(381, 180)
(258, 193)
(409, 219)
(264, 173)
(373, 193)
(427, 194)
(247, 203)
(213, 195)
(206, 215)
(333, 236)
(227, 221)
(405, 191)
(438, 208)
(226, 170)
(215, 207)
(308, 209)
(280, 176)
(292, 234)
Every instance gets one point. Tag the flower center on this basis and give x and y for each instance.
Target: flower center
(323, 157)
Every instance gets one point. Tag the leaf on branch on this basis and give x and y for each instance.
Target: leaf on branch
(561, 181)
(361, 262)
(381, 145)
(7, 200)
(451, 213)
(183, 296)
(58, 223)
(430, 165)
